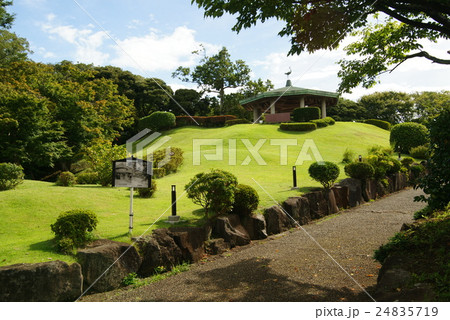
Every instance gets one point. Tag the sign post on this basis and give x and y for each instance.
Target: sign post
(132, 173)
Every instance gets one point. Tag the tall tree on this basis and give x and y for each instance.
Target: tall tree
(394, 107)
(216, 74)
(322, 24)
(6, 19)
(428, 105)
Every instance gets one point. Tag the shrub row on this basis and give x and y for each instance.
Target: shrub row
(175, 159)
(306, 114)
(379, 123)
(298, 126)
(209, 122)
(236, 121)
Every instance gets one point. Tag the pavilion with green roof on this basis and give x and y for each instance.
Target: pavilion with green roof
(279, 103)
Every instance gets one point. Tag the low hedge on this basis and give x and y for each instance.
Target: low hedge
(298, 126)
(329, 120)
(306, 114)
(236, 121)
(321, 123)
(208, 122)
(379, 123)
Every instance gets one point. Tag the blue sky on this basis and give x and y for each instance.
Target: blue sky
(153, 38)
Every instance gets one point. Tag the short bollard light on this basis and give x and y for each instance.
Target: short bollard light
(174, 218)
(360, 158)
(294, 176)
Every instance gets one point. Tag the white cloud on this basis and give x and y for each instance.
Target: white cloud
(87, 43)
(157, 52)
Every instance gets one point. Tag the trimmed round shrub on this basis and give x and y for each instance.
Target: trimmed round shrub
(324, 172)
(359, 170)
(147, 192)
(66, 179)
(379, 123)
(298, 126)
(214, 191)
(329, 120)
(157, 121)
(306, 114)
(74, 227)
(405, 136)
(11, 175)
(246, 200)
(420, 152)
(321, 123)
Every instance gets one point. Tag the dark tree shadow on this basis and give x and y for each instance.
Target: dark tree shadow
(44, 246)
(261, 283)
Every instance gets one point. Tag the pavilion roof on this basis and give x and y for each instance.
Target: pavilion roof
(290, 91)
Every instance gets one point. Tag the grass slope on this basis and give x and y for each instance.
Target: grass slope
(27, 212)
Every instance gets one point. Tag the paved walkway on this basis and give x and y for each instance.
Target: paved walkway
(291, 266)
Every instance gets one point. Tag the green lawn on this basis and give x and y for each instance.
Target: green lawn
(27, 212)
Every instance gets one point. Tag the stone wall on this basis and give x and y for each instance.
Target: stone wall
(104, 263)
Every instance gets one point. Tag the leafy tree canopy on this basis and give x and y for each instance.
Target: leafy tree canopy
(6, 18)
(322, 24)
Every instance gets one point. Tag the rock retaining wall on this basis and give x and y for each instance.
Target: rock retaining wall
(104, 263)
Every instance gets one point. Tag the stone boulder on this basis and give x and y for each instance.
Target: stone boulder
(321, 204)
(255, 226)
(105, 263)
(230, 228)
(341, 195)
(217, 246)
(158, 249)
(399, 181)
(298, 208)
(354, 191)
(191, 242)
(370, 192)
(277, 221)
(45, 282)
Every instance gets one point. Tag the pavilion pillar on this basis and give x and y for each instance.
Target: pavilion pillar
(272, 108)
(255, 114)
(302, 102)
(324, 108)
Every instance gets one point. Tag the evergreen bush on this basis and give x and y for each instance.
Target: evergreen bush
(324, 172)
(407, 135)
(11, 175)
(306, 114)
(246, 200)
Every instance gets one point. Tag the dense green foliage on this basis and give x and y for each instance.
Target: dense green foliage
(168, 160)
(325, 122)
(389, 106)
(306, 114)
(298, 126)
(315, 25)
(426, 245)
(66, 179)
(436, 183)
(214, 191)
(359, 170)
(73, 228)
(347, 110)
(405, 136)
(324, 172)
(246, 200)
(420, 152)
(348, 156)
(157, 121)
(379, 123)
(11, 175)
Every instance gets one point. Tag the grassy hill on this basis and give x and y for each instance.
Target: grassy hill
(27, 212)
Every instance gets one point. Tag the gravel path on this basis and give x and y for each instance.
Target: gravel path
(292, 266)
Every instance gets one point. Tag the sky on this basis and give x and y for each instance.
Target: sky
(153, 37)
